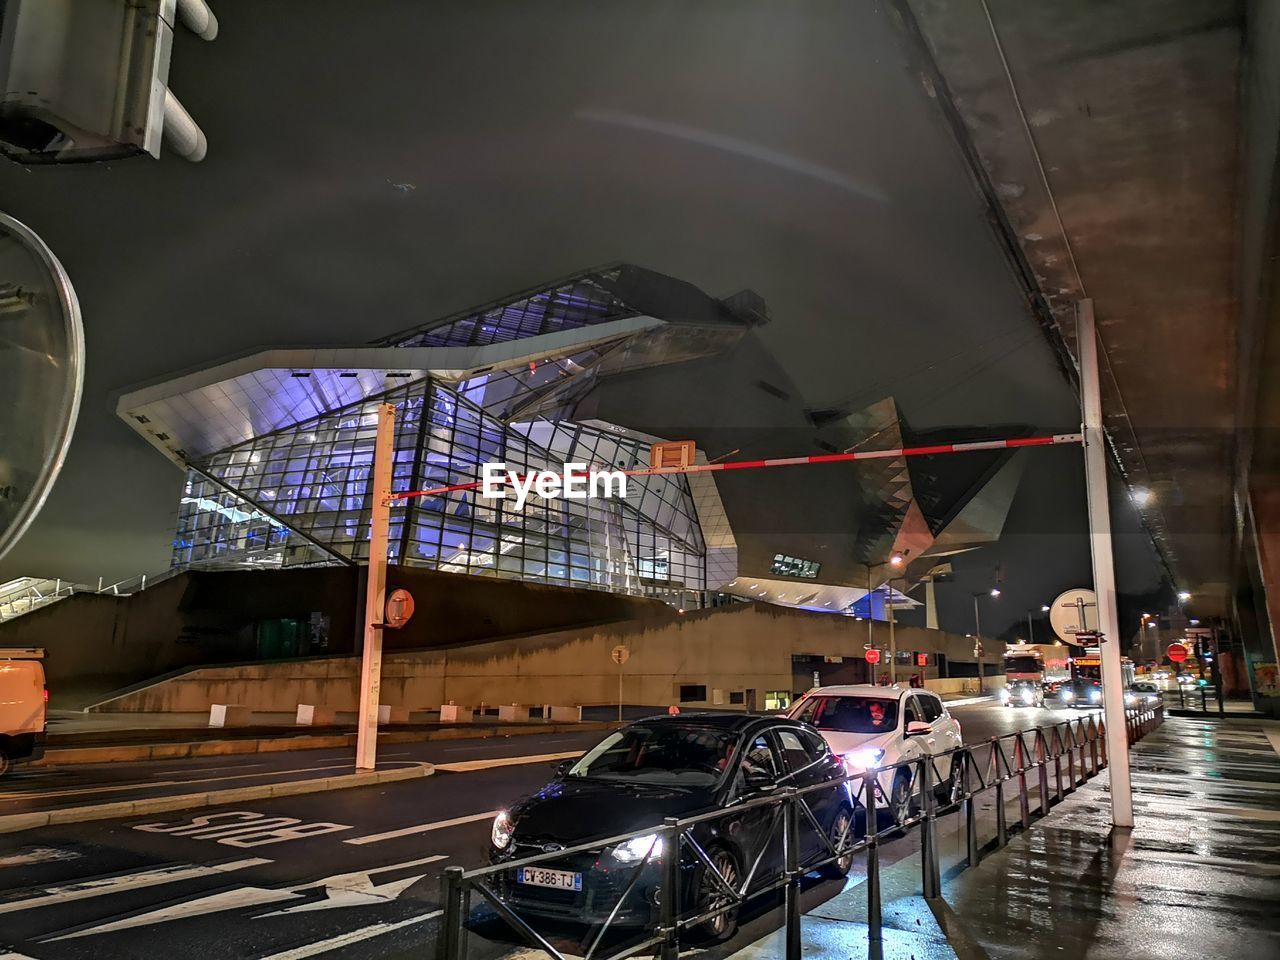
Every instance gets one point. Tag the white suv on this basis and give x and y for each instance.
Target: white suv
(871, 726)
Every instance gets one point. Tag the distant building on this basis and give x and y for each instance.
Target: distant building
(277, 447)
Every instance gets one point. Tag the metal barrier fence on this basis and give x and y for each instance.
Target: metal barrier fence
(1074, 750)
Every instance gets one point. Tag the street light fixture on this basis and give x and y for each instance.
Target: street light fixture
(1183, 596)
(995, 591)
(896, 560)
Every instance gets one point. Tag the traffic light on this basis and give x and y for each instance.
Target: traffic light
(84, 80)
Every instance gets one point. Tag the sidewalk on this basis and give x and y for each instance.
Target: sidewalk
(1198, 876)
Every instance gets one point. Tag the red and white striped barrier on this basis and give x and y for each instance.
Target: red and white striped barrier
(932, 450)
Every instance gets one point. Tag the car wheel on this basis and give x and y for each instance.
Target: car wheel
(712, 896)
(948, 790)
(5, 763)
(842, 838)
(900, 798)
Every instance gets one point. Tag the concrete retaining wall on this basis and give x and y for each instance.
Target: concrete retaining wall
(729, 650)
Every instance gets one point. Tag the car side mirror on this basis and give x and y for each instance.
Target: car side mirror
(917, 727)
(564, 766)
(758, 780)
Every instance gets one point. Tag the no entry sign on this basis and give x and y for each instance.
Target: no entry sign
(873, 656)
(1176, 653)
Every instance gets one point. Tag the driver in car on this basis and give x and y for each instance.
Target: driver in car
(877, 714)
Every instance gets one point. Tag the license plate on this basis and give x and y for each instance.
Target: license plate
(556, 879)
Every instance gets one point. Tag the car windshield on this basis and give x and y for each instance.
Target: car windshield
(849, 714)
(671, 754)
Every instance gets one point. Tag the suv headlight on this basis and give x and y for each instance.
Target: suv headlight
(1004, 693)
(865, 759)
(637, 848)
(1067, 694)
(503, 829)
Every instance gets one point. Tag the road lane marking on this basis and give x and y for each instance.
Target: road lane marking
(38, 855)
(130, 881)
(340, 890)
(469, 766)
(15, 956)
(421, 828)
(155, 783)
(353, 936)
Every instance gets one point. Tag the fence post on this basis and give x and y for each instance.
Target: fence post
(970, 816)
(1042, 763)
(1002, 828)
(791, 817)
(1093, 750)
(932, 879)
(874, 920)
(1024, 801)
(453, 895)
(668, 907)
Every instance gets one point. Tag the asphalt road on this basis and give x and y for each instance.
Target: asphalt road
(353, 873)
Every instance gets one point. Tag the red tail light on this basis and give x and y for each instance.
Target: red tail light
(46, 694)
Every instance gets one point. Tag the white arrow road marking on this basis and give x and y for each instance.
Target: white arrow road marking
(346, 939)
(358, 889)
(341, 890)
(422, 828)
(131, 881)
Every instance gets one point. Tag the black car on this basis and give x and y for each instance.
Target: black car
(671, 767)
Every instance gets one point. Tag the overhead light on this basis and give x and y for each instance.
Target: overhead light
(1183, 596)
(1151, 623)
(896, 560)
(1195, 623)
(995, 591)
(1044, 608)
(1141, 496)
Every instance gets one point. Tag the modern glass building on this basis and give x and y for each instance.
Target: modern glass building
(278, 446)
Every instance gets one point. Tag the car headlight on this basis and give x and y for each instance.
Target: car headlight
(1095, 694)
(1028, 697)
(503, 828)
(1068, 695)
(1004, 693)
(637, 848)
(865, 759)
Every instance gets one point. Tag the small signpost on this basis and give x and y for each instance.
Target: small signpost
(620, 654)
(398, 610)
(873, 656)
(1176, 653)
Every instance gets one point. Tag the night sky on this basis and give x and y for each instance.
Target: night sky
(369, 172)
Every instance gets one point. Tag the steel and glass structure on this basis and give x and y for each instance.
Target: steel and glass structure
(278, 446)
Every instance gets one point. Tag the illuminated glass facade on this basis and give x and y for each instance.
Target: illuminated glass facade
(300, 494)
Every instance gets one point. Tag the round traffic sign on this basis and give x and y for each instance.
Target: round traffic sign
(1064, 614)
(873, 656)
(620, 654)
(399, 609)
(1176, 652)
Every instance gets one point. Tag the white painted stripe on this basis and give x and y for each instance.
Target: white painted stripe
(15, 956)
(470, 766)
(422, 828)
(346, 939)
(147, 785)
(130, 881)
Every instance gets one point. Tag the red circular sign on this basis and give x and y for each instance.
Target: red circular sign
(1176, 652)
(873, 656)
(399, 609)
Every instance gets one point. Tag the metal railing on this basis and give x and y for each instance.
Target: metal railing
(1072, 751)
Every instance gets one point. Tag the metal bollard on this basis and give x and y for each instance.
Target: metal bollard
(791, 839)
(669, 908)
(874, 919)
(452, 895)
(1002, 828)
(932, 878)
(1093, 752)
